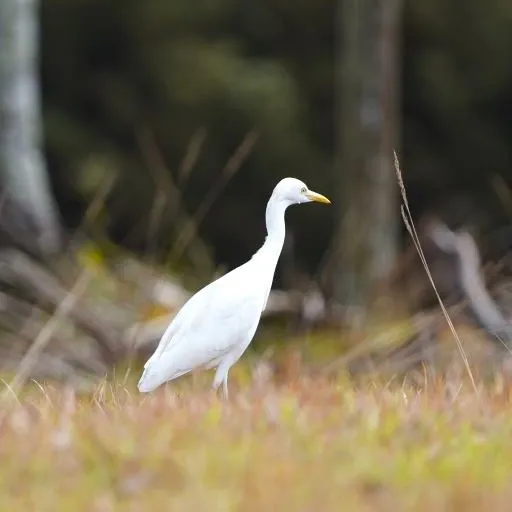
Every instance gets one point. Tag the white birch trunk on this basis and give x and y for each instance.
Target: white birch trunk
(22, 167)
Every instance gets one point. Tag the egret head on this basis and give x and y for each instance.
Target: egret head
(294, 191)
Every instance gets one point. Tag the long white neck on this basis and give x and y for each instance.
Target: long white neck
(276, 231)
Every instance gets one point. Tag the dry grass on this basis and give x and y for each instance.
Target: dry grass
(408, 220)
(305, 444)
(289, 439)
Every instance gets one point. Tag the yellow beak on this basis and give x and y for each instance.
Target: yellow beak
(318, 198)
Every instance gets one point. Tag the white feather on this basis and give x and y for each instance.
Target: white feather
(215, 326)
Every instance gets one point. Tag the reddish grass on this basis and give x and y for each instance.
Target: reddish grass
(306, 444)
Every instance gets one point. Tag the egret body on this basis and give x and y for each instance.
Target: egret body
(216, 325)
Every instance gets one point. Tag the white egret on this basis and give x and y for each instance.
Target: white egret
(216, 325)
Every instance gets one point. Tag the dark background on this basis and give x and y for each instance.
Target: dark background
(113, 69)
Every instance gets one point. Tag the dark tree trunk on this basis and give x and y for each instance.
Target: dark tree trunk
(366, 237)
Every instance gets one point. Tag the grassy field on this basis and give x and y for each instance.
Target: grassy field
(302, 444)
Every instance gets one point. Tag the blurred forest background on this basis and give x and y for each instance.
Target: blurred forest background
(140, 141)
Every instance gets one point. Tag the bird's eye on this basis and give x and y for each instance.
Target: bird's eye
(303, 190)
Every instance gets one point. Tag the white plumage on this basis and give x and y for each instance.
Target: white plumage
(216, 325)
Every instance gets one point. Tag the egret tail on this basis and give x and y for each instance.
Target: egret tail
(148, 381)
